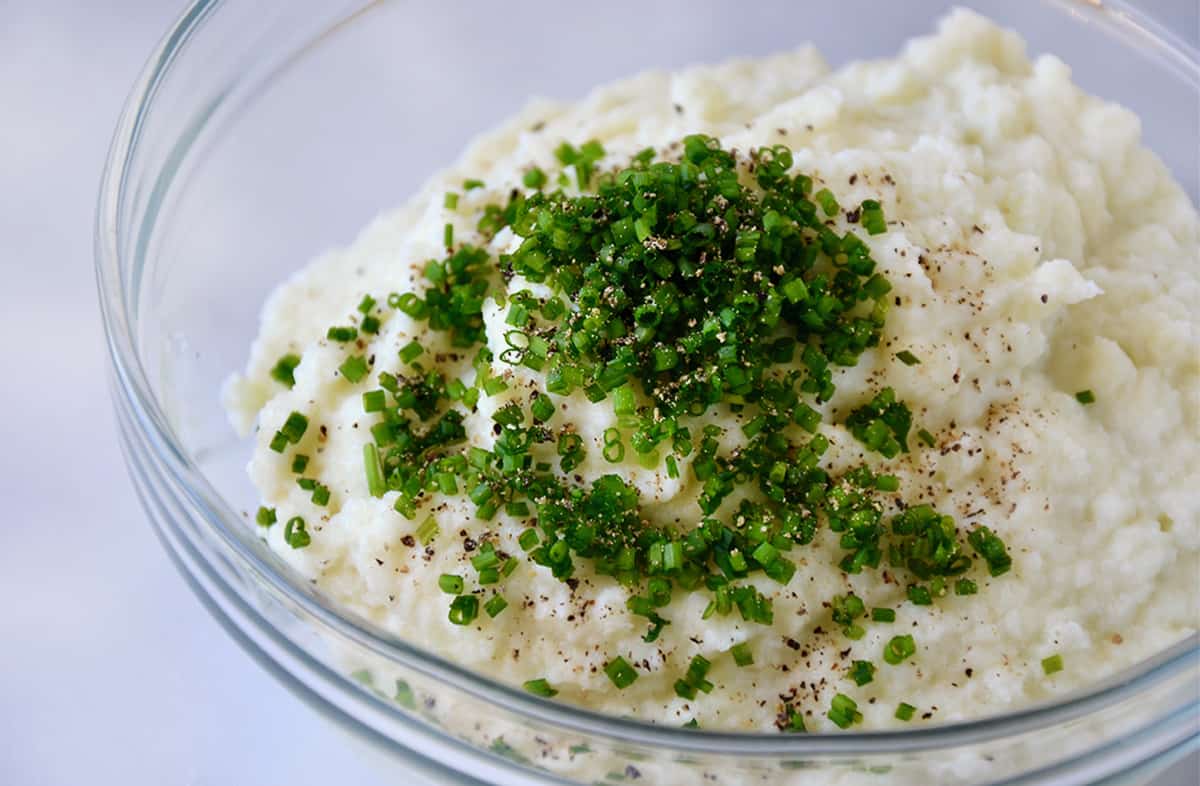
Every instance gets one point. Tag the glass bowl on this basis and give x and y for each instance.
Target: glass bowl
(262, 133)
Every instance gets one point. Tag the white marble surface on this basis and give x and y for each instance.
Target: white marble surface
(110, 671)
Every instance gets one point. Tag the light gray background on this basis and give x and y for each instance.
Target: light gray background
(110, 672)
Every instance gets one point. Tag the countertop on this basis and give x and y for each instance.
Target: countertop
(110, 671)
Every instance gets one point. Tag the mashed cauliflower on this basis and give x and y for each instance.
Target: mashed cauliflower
(1035, 249)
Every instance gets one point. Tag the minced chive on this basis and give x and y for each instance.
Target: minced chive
(898, 649)
(620, 672)
(495, 385)
(926, 437)
(354, 368)
(471, 183)
(862, 672)
(742, 655)
(299, 463)
(1085, 397)
(464, 609)
(448, 235)
(284, 368)
(905, 711)
(534, 178)
(294, 427)
(370, 324)
(495, 605)
(843, 711)
(827, 201)
(295, 533)
(427, 531)
(542, 408)
(540, 687)
(489, 575)
(872, 217)
(279, 442)
(1052, 664)
(450, 201)
(320, 495)
(265, 517)
(411, 351)
(965, 587)
(919, 595)
(374, 470)
(907, 358)
(374, 401)
(883, 615)
(450, 584)
(366, 304)
(887, 483)
(342, 334)
(528, 539)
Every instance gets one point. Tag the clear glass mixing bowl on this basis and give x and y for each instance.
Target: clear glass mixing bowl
(262, 133)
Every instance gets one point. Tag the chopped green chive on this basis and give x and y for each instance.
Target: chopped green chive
(375, 483)
(899, 649)
(284, 368)
(907, 358)
(862, 672)
(742, 655)
(534, 178)
(495, 605)
(471, 183)
(342, 334)
(265, 517)
(1052, 664)
(450, 583)
(299, 463)
(926, 437)
(411, 351)
(354, 368)
(883, 615)
(540, 687)
(872, 217)
(1085, 397)
(905, 711)
(374, 401)
(450, 201)
(843, 711)
(965, 587)
(427, 531)
(464, 609)
(620, 672)
(294, 427)
(295, 533)
(279, 442)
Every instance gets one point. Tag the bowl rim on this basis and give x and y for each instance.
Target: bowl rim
(118, 309)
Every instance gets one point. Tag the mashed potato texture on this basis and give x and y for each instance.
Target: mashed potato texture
(1036, 249)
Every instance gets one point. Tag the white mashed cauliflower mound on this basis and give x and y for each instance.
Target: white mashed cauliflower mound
(1036, 249)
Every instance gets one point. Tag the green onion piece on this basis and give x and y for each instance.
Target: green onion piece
(905, 711)
(320, 495)
(898, 649)
(294, 427)
(826, 200)
(862, 672)
(374, 401)
(279, 442)
(542, 408)
(471, 184)
(295, 533)
(374, 470)
(450, 584)
(534, 178)
(620, 672)
(926, 437)
(265, 517)
(907, 358)
(450, 201)
(495, 605)
(1085, 397)
(965, 587)
(342, 334)
(284, 368)
(354, 368)
(872, 217)
(742, 655)
(1052, 664)
(411, 351)
(370, 325)
(427, 531)
(448, 235)
(883, 615)
(843, 711)
(540, 687)
(528, 539)
(464, 609)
